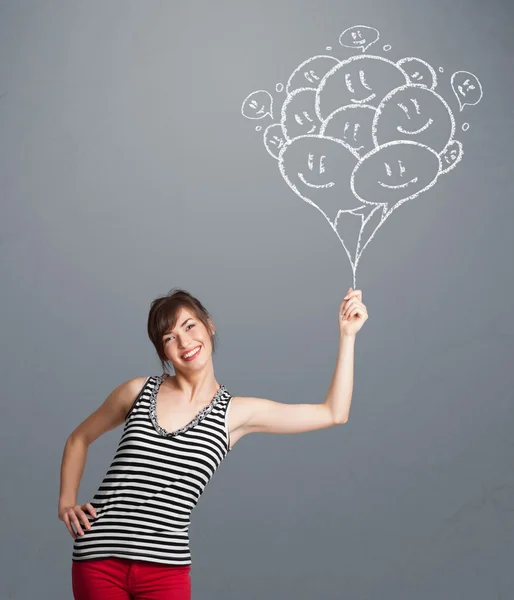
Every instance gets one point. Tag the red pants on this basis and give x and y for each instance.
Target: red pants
(127, 579)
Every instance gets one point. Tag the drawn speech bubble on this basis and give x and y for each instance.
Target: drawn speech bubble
(258, 105)
(467, 88)
(359, 36)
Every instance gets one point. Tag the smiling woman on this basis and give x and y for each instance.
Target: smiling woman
(177, 431)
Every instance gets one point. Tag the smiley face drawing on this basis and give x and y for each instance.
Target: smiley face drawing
(309, 73)
(394, 173)
(298, 114)
(318, 170)
(357, 80)
(351, 124)
(359, 36)
(274, 139)
(450, 156)
(414, 112)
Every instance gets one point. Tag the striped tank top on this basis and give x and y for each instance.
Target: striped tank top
(154, 481)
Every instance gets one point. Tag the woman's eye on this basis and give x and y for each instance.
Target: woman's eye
(191, 325)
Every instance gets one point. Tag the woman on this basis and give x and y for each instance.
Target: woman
(131, 540)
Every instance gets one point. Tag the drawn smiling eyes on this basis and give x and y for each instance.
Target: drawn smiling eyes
(348, 81)
(298, 119)
(406, 110)
(253, 104)
(468, 85)
(310, 162)
(389, 174)
(311, 76)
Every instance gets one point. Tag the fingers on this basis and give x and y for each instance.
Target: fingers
(354, 293)
(353, 307)
(91, 509)
(71, 519)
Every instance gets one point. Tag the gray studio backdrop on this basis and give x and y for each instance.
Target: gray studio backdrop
(127, 169)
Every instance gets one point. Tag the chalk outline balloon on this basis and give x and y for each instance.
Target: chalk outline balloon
(357, 211)
(388, 96)
(270, 113)
(292, 185)
(429, 67)
(283, 117)
(455, 162)
(363, 48)
(265, 139)
(301, 66)
(400, 202)
(462, 105)
(373, 207)
(340, 65)
(325, 123)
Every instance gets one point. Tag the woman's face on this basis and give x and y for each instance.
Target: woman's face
(188, 345)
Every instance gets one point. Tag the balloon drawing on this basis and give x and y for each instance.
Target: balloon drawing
(357, 137)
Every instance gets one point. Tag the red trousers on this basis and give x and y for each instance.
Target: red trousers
(127, 579)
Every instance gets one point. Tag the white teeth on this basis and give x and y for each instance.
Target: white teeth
(189, 354)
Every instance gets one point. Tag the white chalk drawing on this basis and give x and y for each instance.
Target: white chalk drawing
(309, 73)
(419, 71)
(359, 137)
(361, 79)
(258, 105)
(274, 139)
(414, 112)
(451, 155)
(258, 128)
(359, 36)
(353, 125)
(328, 48)
(467, 88)
(298, 114)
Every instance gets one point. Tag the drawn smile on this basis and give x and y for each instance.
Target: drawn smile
(365, 99)
(427, 124)
(312, 185)
(397, 187)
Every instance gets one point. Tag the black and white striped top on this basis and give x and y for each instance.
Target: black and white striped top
(154, 481)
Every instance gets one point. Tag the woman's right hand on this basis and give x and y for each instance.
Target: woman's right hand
(72, 515)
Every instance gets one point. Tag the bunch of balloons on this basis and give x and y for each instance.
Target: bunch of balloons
(359, 137)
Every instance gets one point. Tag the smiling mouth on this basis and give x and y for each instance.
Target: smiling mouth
(397, 187)
(365, 99)
(312, 185)
(427, 124)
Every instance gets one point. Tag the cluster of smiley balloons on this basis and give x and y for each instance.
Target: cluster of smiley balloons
(359, 137)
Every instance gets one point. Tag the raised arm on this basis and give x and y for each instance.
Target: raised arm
(267, 416)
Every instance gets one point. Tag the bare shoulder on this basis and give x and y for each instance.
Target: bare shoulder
(111, 412)
(129, 390)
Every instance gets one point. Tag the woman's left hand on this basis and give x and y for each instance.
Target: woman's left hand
(352, 313)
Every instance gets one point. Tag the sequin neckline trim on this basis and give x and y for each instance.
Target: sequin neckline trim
(201, 415)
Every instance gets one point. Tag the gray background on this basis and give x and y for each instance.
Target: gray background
(127, 169)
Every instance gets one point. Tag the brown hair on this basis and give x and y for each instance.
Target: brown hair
(163, 317)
